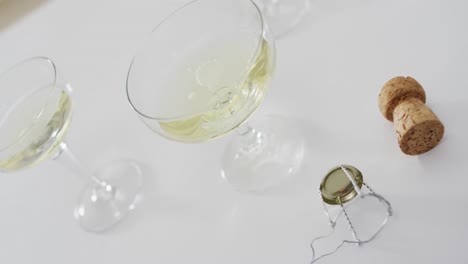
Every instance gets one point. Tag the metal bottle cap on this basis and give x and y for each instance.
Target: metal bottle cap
(337, 188)
(341, 185)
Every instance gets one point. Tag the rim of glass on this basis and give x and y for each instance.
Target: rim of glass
(251, 60)
(54, 86)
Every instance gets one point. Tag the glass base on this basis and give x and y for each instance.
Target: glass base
(261, 158)
(114, 192)
(283, 15)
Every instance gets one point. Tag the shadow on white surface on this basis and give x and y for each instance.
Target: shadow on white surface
(13, 10)
(325, 8)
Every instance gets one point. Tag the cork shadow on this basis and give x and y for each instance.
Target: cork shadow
(12, 11)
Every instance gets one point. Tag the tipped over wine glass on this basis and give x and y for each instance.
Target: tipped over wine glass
(35, 115)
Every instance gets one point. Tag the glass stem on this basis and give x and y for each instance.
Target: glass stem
(251, 138)
(244, 129)
(66, 157)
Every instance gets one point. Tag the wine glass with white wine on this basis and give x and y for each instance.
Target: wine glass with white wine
(35, 114)
(203, 71)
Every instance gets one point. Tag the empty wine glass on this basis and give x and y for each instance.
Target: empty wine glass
(203, 71)
(282, 16)
(35, 114)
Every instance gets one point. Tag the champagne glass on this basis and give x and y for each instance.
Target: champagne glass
(35, 114)
(282, 16)
(203, 71)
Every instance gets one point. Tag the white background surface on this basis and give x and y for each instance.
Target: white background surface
(329, 73)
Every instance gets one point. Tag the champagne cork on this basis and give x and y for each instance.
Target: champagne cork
(402, 101)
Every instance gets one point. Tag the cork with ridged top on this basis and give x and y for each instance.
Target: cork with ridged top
(418, 129)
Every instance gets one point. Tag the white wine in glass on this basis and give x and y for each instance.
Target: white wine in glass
(27, 140)
(35, 114)
(228, 101)
(202, 72)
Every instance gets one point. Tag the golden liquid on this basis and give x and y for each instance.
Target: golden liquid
(232, 105)
(42, 139)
